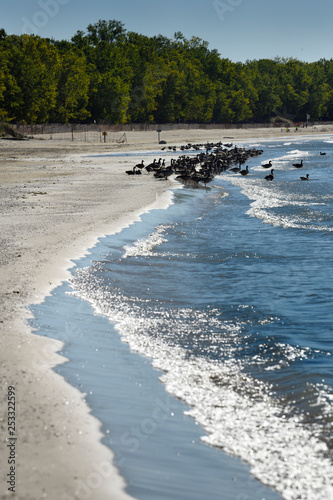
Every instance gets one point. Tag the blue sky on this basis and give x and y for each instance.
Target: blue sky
(238, 29)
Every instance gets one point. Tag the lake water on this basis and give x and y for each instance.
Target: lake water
(228, 293)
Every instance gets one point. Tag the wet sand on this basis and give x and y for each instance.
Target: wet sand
(56, 201)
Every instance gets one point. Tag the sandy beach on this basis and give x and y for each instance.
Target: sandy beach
(57, 199)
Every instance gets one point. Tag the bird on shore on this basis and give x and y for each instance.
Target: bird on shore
(134, 171)
(267, 165)
(246, 171)
(152, 166)
(140, 165)
(298, 165)
(305, 178)
(163, 173)
(270, 176)
(184, 177)
(234, 169)
(207, 178)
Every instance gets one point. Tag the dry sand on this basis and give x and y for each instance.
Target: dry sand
(55, 203)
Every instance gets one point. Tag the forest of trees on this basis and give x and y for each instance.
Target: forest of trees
(110, 75)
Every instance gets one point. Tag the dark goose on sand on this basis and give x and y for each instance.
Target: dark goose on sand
(140, 165)
(135, 171)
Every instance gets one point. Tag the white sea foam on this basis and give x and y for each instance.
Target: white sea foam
(145, 246)
(324, 399)
(268, 196)
(282, 453)
(297, 153)
(238, 413)
(284, 162)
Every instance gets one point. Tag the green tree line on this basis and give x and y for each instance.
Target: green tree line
(109, 74)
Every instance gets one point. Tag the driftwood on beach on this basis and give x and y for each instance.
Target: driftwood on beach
(8, 132)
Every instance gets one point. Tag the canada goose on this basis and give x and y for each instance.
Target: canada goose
(235, 169)
(163, 173)
(270, 176)
(246, 171)
(298, 165)
(322, 154)
(305, 178)
(140, 165)
(151, 166)
(206, 179)
(267, 165)
(134, 171)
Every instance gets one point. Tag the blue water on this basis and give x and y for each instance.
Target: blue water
(229, 293)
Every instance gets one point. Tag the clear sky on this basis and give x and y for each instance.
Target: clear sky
(238, 29)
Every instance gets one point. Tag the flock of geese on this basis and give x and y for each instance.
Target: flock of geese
(210, 161)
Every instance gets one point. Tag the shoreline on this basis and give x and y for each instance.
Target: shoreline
(51, 189)
(47, 196)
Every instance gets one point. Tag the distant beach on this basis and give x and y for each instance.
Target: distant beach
(57, 198)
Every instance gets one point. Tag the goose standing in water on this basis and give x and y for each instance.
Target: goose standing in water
(305, 178)
(246, 171)
(270, 176)
(267, 165)
(298, 165)
(235, 169)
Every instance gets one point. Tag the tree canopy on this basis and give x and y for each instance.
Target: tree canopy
(109, 74)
